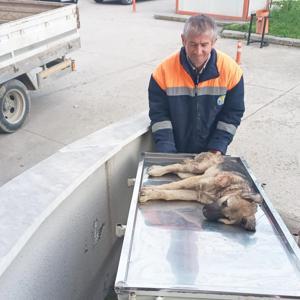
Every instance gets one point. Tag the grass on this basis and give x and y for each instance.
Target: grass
(284, 20)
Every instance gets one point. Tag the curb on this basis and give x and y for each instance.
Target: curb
(257, 37)
(183, 18)
(236, 34)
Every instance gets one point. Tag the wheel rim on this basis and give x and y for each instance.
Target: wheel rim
(13, 107)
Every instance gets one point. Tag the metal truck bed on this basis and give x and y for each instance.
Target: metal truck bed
(34, 33)
(171, 252)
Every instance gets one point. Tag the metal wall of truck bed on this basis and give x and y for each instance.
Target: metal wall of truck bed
(57, 238)
(32, 41)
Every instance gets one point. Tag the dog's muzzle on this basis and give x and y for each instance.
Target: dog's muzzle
(212, 212)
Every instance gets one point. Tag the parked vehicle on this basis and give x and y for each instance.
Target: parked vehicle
(125, 2)
(35, 37)
(62, 1)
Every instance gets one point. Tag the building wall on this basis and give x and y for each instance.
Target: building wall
(220, 9)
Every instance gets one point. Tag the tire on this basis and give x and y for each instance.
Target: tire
(14, 105)
(99, 1)
(126, 2)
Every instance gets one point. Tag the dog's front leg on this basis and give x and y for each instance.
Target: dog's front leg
(188, 183)
(157, 171)
(168, 195)
(192, 167)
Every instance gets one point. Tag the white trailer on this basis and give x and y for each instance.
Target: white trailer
(35, 38)
(58, 241)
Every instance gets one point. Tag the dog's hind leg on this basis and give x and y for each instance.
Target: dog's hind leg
(194, 182)
(168, 195)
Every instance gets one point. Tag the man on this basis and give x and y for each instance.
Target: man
(196, 96)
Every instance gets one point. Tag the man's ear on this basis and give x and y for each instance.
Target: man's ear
(213, 43)
(183, 40)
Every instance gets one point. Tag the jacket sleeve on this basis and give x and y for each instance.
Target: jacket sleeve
(228, 119)
(161, 125)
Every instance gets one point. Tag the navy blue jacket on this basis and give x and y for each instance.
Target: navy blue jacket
(193, 113)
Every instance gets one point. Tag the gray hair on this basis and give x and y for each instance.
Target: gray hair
(200, 24)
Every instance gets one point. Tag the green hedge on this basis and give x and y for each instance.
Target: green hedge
(284, 20)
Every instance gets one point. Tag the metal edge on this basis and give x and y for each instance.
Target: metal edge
(122, 272)
(170, 293)
(277, 221)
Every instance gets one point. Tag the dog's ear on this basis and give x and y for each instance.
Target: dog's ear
(252, 197)
(248, 223)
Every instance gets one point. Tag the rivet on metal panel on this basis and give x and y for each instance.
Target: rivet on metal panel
(130, 182)
(132, 296)
(120, 230)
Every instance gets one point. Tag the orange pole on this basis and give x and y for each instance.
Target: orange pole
(238, 57)
(133, 6)
(177, 6)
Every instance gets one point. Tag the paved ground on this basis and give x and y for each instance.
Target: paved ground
(119, 51)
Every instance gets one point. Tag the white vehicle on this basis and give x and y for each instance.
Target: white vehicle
(125, 2)
(35, 38)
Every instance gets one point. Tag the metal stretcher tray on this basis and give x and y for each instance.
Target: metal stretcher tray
(171, 252)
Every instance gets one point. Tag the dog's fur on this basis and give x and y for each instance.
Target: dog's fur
(223, 188)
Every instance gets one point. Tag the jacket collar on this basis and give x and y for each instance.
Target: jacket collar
(210, 71)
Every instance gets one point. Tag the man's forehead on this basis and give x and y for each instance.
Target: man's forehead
(197, 37)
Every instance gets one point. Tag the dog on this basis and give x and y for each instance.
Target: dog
(218, 182)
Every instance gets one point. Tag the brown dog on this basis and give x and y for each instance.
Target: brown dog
(223, 188)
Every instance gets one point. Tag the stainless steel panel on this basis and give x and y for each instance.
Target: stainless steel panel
(170, 247)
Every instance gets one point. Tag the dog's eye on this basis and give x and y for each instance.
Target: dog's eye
(225, 203)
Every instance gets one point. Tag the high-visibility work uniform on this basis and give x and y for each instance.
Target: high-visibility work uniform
(192, 112)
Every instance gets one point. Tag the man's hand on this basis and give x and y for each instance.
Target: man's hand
(215, 151)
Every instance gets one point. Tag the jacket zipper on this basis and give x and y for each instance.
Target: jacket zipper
(196, 85)
(197, 102)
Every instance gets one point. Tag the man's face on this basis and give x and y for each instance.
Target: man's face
(198, 47)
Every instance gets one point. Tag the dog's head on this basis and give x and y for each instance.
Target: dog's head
(239, 208)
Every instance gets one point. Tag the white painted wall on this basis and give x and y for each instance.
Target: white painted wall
(255, 5)
(219, 7)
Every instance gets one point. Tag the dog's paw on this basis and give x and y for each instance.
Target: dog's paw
(156, 171)
(144, 195)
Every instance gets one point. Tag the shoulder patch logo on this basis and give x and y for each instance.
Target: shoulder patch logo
(220, 100)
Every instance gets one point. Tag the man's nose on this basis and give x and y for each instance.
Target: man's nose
(198, 50)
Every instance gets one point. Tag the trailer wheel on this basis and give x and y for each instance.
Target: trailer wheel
(14, 105)
(126, 2)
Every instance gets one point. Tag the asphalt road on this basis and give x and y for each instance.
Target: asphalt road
(119, 51)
